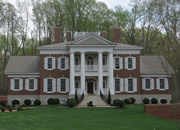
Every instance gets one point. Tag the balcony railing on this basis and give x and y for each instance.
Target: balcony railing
(90, 68)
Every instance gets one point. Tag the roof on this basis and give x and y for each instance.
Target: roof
(61, 45)
(126, 46)
(23, 64)
(155, 65)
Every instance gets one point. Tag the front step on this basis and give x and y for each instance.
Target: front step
(96, 99)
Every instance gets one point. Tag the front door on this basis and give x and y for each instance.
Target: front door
(90, 87)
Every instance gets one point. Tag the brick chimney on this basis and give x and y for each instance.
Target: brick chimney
(68, 36)
(104, 34)
(57, 35)
(117, 35)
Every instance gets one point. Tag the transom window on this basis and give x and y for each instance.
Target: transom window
(16, 84)
(63, 85)
(49, 63)
(63, 63)
(162, 84)
(147, 83)
(117, 66)
(31, 83)
(49, 87)
(130, 63)
(117, 84)
(130, 84)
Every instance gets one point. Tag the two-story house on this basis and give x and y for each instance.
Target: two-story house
(89, 64)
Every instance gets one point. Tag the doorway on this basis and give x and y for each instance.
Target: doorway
(90, 87)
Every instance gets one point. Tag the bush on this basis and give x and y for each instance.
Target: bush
(56, 101)
(27, 102)
(133, 100)
(146, 101)
(3, 109)
(37, 102)
(163, 101)
(50, 101)
(19, 108)
(10, 109)
(154, 101)
(2, 103)
(15, 102)
(127, 101)
(71, 102)
(118, 103)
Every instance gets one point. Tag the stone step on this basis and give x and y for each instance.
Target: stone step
(96, 99)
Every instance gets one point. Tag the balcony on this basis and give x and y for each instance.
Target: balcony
(90, 68)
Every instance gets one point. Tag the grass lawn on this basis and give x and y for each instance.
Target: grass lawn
(131, 117)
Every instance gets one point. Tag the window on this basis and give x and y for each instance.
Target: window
(63, 64)
(130, 84)
(162, 84)
(63, 85)
(117, 66)
(104, 84)
(130, 63)
(31, 83)
(147, 83)
(49, 87)
(104, 60)
(76, 61)
(77, 84)
(16, 84)
(49, 63)
(117, 84)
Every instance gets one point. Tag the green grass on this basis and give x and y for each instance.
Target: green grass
(131, 117)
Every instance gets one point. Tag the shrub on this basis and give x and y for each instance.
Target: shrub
(50, 101)
(56, 101)
(146, 101)
(15, 102)
(133, 100)
(27, 102)
(10, 109)
(71, 102)
(118, 103)
(127, 101)
(2, 103)
(163, 101)
(19, 108)
(154, 101)
(37, 102)
(3, 109)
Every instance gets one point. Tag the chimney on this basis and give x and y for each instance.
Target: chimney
(57, 35)
(117, 35)
(104, 34)
(68, 36)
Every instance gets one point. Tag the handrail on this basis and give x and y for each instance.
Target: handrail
(80, 99)
(103, 97)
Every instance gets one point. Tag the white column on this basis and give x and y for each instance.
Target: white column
(72, 86)
(82, 72)
(100, 74)
(111, 73)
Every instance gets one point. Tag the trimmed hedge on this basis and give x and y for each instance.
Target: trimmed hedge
(118, 103)
(133, 100)
(27, 102)
(146, 101)
(127, 101)
(71, 102)
(37, 102)
(15, 102)
(154, 101)
(53, 101)
(56, 101)
(163, 101)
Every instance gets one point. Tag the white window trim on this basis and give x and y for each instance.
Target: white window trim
(12, 86)
(133, 63)
(120, 62)
(151, 84)
(27, 84)
(53, 63)
(166, 83)
(78, 60)
(59, 85)
(134, 86)
(121, 85)
(66, 65)
(45, 89)
(63, 99)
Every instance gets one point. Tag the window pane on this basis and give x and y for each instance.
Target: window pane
(31, 84)
(117, 63)
(76, 61)
(148, 83)
(49, 85)
(63, 85)
(117, 84)
(62, 63)
(162, 84)
(104, 61)
(104, 84)
(129, 62)
(130, 84)
(49, 63)
(16, 84)
(76, 85)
